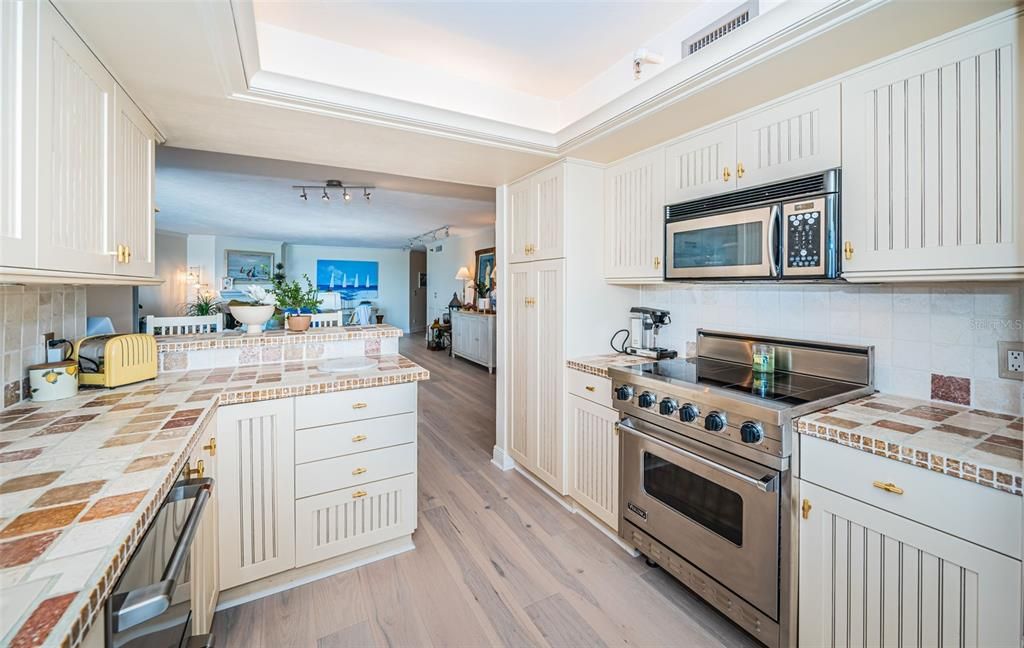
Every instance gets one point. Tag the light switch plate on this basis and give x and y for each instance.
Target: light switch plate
(1011, 360)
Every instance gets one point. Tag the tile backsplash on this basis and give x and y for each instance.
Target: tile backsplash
(28, 312)
(931, 341)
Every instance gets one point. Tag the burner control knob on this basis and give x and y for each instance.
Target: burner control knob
(714, 422)
(751, 432)
(689, 413)
(668, 406)
(624, 393)
(646, 400)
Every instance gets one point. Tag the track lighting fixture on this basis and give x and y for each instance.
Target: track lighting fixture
(346, 190)
(437, 234)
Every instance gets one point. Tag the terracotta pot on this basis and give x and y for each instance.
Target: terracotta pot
(298, 323)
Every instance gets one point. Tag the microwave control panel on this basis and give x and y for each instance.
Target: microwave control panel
(803, 240)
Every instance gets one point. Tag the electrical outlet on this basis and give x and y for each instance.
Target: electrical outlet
(1011, 360)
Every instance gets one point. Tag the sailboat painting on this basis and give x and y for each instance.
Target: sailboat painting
(353, 279)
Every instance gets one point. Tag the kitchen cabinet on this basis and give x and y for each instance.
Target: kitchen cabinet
(537, 439)
(930, 145)
(205, 563)
(256, 466)
(594, 458)
(701, 165)
(76, 159)
(634, 224)
(473, 337)
(538, 216)
(869, 577)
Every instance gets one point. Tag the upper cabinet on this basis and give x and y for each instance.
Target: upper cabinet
(537, 213)
(928, 162)
(634, 231)
(792, 138)
(77, 158)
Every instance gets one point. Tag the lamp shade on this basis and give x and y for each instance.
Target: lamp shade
(463, 274)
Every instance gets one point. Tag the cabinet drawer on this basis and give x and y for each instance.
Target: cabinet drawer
(341, 521)
(314, 444)
(597, 389)
(354, 405)
(352, 470)
(979, 514)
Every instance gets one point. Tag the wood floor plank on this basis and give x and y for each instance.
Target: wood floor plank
(393, 616)
(561, 625)
(354, 636)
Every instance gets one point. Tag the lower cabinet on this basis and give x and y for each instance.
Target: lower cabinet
(473, 337)
(872, 578)
(256, 446)
(205, 563)
(594, 458)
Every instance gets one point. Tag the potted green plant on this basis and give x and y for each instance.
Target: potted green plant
(482, 291)
(204, 304)
(298, 302)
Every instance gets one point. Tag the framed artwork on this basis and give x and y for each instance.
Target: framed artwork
(355, 280)
(227, 283)
(422, 276)
(484, 267)
(244, 266)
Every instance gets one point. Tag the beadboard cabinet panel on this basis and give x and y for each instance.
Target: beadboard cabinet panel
(547, 383)
(929, 159)
(134, 170)
(634, 232)
(522, 361)
(871, 578)
(256, 444)
(794, 138)
(701, 165)
(520, 214)
(548, 222)
(594, 458)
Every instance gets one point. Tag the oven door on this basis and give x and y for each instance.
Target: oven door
(733, 245)
(718, 511)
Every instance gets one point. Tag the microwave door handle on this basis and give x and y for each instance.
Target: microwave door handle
(774, 246)
(145, 603)
(765, 484)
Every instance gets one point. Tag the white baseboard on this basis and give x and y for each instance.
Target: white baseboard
(301, 575)
(502, 460)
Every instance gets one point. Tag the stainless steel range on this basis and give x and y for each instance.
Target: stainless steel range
(706, 488)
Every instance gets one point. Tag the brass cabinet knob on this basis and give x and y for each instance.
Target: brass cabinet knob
(358, 494)
(591, 388)
(359, 471)
(358, 405)
(725, 174)
(657, 262)
(198, 471)
(739, 169)
(359, 438)
(805, 509)
(848, 250)
(888, 487)
(211, 447)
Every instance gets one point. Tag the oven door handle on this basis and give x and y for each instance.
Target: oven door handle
(136, 606)
(774, 246)
(765, 484)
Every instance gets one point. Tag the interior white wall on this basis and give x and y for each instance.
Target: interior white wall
(115, 302)
(444, 259)
(393, 301)
(201, 252)
(172, 266)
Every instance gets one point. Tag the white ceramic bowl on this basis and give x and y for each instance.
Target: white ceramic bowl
(254, 317)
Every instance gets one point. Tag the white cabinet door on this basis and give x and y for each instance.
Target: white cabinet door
(548, 222)
(256, 466)
(930, 140)
(18, 20)
(76, 144)
(701, 165)
(634, 229)
(547, 390)
(134, 169)
(594, 458)
(205, 567)
(797, 137)
(871, 578)
(520, 213)
(522, 359)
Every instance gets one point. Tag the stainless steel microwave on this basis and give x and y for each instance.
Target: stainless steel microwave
(787, 230)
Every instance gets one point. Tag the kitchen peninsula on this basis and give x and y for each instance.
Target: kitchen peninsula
(287, 443)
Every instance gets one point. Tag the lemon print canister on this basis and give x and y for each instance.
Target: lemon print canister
(53, 380)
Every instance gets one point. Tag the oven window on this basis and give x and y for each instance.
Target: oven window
(709, 504)
(728, 245)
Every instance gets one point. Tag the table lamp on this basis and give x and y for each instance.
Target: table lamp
(464, 276)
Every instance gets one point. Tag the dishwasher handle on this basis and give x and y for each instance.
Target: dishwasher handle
(139, 605)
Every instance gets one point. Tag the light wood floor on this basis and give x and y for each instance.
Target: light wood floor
(497, 562)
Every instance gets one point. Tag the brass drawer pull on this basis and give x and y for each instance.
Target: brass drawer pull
(725, 174)
(848, 250)
(805, 509)
(211, 447)
(888, 487)
(359, 471)
(358, 405)
(358, 438)
(739, 169)
(358, 494)
(657, 262)
(198, 471)
(591, 388)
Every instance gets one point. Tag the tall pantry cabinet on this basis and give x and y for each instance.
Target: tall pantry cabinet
(559, 306)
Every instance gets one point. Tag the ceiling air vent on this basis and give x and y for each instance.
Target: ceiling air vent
(738, 17)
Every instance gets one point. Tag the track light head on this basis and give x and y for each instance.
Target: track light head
(366, 194)
(303, 194)
(347, 196)
(325, 197)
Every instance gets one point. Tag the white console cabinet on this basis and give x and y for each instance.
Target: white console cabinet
(473, 337)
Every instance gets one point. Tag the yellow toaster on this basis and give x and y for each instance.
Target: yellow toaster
(115, 360)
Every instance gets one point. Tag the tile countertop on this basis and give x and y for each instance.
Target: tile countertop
(279, 337)
(598, 365)
(81, 478)
(979, 446)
